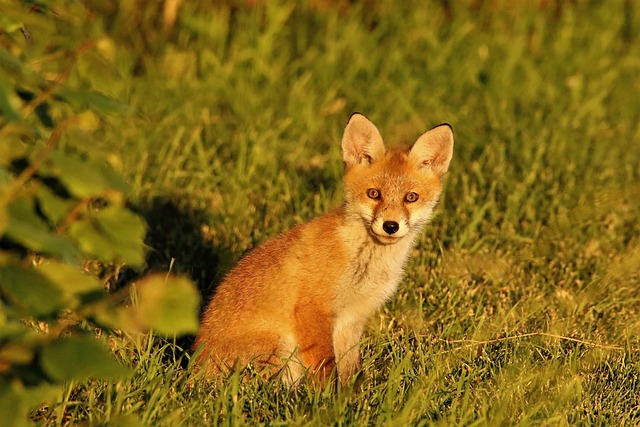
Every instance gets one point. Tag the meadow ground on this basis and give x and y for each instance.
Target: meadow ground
(521, 302)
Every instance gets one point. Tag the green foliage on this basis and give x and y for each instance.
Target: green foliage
(520, 304)
(77, 358)
(60, 208)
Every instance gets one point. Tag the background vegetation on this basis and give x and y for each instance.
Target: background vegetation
(520, 305)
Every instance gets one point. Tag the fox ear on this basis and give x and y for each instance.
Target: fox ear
(361, 142)
(434, 149)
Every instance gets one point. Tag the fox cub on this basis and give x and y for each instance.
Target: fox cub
(297, 304)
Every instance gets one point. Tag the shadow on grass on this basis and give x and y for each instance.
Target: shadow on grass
(176, 243)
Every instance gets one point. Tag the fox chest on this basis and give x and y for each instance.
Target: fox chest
(371, 278)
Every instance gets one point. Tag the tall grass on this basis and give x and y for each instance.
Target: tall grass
(520, 305)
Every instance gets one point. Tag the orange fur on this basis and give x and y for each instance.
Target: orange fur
(299, 302)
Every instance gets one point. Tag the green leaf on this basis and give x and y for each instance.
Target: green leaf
(10, 61)
(28, 289)
(12, 408)
(83, 178)
(4, 217)
(109, 315)
(113, 179)
(6, 109)
(11, 330)
(54, 207)
(70, 280)
(94, 100)
(16, 400)
(24, 226)
(10, 149)
(5, 177)
(168, 304)
(78, 358)
(122, 226)
(15, 352)
(113, 234)
(91, 241)
(127, 421)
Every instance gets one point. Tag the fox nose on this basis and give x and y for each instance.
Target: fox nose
(391, 227)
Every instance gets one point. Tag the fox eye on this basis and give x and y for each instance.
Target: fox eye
(373, 193)
(411, 197)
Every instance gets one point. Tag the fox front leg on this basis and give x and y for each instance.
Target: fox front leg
(346, 339)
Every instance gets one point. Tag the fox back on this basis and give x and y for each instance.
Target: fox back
(297, 305)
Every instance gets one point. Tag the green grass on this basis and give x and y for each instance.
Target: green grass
(521, 303)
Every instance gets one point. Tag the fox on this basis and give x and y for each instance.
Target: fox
(296, 306)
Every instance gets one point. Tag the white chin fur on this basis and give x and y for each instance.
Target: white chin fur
(386, 239)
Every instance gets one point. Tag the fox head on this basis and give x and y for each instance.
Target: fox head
(393, 191)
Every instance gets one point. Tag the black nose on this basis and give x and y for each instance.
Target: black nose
(391, 227)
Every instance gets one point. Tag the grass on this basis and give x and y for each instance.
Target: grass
(520, 305)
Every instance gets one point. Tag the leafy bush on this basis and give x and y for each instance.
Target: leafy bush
(64, 227)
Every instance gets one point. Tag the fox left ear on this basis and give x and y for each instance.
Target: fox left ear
(361, 142)
(434, 149)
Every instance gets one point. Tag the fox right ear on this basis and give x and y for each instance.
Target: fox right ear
(361, 142)
(433, 149)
